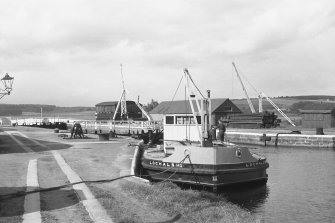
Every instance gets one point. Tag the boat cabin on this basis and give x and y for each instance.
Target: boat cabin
(221, 108)
(180, 127)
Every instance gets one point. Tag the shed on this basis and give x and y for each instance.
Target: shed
(106, 110)
(220, 108)
(318, 118)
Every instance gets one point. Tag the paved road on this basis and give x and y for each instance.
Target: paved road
(33, 158)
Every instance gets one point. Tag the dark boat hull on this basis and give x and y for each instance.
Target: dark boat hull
(213, 176)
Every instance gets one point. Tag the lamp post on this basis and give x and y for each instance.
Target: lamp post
(7, 81)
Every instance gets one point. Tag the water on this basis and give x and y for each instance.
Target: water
(300, 188)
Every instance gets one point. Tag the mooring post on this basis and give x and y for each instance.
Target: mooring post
(265, 138)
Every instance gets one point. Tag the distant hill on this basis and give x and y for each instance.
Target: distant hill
(19, 109)
(315, 97)
(291, 104)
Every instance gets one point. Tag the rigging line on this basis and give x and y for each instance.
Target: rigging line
(232, 82)
(122, 77)
(181, 162)
(154, 174)
(197, 180)
(195, 85)
(245, 78)
(187, 137)
(164, 112)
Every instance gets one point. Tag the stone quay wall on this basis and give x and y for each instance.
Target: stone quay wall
(287, 140)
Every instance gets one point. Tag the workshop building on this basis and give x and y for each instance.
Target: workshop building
(106, 110)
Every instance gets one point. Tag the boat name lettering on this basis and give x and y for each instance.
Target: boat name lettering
(255, 164)
(164, 164)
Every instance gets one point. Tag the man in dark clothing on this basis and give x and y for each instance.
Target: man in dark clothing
(222, 130)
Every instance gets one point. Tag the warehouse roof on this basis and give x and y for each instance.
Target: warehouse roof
(183, 107)
(109, 103)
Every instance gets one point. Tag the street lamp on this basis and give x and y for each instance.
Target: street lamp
(7, 81)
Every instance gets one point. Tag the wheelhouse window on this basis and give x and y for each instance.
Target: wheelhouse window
(169, 120)
(187, 120)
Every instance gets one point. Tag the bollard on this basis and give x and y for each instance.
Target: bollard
(103, 137)
(319, 131)
(265, 138)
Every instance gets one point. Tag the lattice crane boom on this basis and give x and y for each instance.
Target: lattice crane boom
(278, 109)
(245, 91)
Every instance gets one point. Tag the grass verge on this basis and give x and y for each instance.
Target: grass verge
(180, 205)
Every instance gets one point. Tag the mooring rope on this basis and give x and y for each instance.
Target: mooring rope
(197, 181)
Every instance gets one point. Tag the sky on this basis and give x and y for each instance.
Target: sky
(68, 52)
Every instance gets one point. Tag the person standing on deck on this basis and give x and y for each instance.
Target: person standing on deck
(222, 130)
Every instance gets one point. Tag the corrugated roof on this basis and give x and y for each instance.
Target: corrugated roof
(107, 103)
(112, 103)
(182, 107)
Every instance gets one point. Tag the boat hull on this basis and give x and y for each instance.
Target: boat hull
(214, 176)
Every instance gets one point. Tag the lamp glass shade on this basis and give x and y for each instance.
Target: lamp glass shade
(7, 82)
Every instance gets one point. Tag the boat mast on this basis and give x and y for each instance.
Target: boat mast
(203, 106)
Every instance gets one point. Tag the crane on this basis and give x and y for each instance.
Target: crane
(278, 109)
(260, 98)
(123, 103)
(245, 91)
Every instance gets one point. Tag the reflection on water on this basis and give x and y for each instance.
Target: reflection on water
(248, 196)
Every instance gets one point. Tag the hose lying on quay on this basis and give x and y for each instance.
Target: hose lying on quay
(41, 190)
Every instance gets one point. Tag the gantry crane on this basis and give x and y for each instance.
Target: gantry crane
(123, 103)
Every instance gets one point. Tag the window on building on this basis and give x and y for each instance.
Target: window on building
(228, 108)
(169, 120)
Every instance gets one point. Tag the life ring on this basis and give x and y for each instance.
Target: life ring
(238, 153)
(187, 152)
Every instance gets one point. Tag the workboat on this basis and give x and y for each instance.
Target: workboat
(190, 155)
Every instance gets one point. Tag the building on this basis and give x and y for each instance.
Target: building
(318, 118)
(220, 108)
(106, 110)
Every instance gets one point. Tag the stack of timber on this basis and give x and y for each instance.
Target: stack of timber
(257, 120)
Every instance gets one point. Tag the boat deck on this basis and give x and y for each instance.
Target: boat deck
(155, 153)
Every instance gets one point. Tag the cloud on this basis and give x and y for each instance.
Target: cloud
(82, 43)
